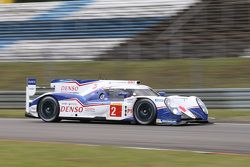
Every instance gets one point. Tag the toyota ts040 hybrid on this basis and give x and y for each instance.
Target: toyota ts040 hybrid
(111, 100)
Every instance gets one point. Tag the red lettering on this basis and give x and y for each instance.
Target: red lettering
(62, 109)
(69, 88)
(71, 109)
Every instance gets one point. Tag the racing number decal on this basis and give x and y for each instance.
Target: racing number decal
(115, 110)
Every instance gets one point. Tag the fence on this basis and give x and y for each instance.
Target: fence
(213, 98)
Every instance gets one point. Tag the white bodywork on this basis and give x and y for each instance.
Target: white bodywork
(73, 107)
(72, 94)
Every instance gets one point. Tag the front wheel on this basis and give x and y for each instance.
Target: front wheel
(145, 112)
(48, 109)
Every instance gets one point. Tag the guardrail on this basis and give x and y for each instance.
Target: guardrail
(217, 98)
(213, 98)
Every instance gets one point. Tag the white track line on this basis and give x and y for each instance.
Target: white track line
(237, 124)
(136, 148)
(167, 149)
(192, 151)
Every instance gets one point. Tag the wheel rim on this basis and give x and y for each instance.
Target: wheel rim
(48, 110)
(144, 112)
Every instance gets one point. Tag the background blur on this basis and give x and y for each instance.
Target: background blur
(163, 43)
(183, 47)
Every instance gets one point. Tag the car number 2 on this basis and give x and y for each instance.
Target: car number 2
(115, 111)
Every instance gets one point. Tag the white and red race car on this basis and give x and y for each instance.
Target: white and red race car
(118, 100)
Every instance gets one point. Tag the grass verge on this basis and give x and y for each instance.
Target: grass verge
(176, 73)
(220, 115)
(29, 154)
(12, 113)
(230, 115)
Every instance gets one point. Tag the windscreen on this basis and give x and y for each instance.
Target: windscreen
(144, 92)
(124, 93)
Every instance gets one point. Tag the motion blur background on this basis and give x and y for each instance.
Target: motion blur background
(163, 43)
(186, 47)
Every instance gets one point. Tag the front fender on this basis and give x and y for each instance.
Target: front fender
(166, 117)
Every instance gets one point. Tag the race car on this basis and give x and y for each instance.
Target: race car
(111, 100)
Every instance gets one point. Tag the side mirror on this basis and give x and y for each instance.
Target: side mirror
(162, 94)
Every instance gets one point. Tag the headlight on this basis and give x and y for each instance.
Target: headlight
(167, 102)
(171, 107)
(202, 105)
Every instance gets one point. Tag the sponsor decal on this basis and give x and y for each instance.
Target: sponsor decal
(74, 105)
(89, 109)
(115, 110)
(130, 100)
(129, 111)
(168, 121)
(31, 81)
(158, 100)
(72, 109)
(69, 88)
(131, 82)
(183, 109)
(161, 107)
(159, 121)
(32, 88)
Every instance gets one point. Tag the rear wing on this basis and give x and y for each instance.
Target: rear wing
(31, 86)
(32, 90)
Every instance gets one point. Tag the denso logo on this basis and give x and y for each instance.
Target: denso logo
(69, 88)
(71, 109)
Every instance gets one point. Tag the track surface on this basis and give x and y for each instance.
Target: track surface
(229, 138)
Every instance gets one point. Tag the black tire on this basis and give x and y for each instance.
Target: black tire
(145, 112)
(48, 109)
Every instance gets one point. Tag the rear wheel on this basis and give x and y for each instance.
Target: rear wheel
(48, 109)
(145, 112)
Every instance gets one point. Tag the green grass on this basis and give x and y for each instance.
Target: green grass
(30, 154)
(11, 113)
(220, 115)
(230, 115)
(180, 73)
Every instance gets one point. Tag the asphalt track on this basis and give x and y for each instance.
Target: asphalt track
(218, 137)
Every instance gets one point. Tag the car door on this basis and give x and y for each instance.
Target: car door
(117, 108)
(98, 105)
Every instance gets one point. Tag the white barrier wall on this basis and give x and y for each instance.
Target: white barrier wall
(77, 30)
